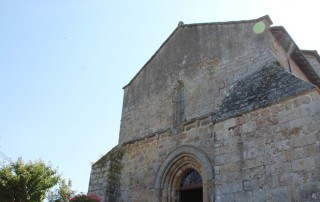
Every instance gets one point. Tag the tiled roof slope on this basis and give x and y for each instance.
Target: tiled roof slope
(269, 85)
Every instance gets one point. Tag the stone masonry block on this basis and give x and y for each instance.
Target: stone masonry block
(252, 152)
(264, 112)
(301, 101)
(258, 195)
(229, 188)
(278, 146)
(222, 134)
(225, 198)
(219, 126)
(303, 164)
(229, 123)
(248, 127)
(228, 168)
(290, 115)
(279, 194)
(235, 176)
(311, 138)
(244, 196)
(309, 110)
(219, 160)
(255, 162)
(220, 179)
(300, 141)
(311, 150)
(260, 123)
(192, 133)
(297, 153)
(300, 122)
(308, 192)
(217, 170)
(226, 149)
(247, 185)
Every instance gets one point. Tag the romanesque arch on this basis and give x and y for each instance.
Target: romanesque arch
(175, 167)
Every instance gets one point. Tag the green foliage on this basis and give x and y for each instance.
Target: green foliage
(22, 182)
(62, 193)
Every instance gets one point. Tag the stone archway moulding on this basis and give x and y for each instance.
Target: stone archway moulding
(186, 150)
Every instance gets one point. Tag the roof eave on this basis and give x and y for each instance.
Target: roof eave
(312, 52)
(297, 55)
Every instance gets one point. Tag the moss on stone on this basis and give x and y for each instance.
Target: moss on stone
(113, 161)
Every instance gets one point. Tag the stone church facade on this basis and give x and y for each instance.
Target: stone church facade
(221, 112)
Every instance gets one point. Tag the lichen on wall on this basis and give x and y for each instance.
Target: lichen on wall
(109, 169)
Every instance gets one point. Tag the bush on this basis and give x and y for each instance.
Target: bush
(85, 198)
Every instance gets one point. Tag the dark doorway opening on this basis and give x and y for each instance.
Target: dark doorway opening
(191, 187)
(191, 195)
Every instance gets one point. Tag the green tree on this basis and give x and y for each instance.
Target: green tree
(23, 182)
(62, 193)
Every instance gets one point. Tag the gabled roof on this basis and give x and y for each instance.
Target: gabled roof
(181, 25)
(282, 36)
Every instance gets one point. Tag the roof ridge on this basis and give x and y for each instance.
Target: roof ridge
(266, 17)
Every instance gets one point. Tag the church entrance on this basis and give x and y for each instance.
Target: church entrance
(192, 195)
(186, 175)
(191, 187)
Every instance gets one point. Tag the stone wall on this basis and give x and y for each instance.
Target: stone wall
(98, 180)
(105, 175)
(207, 58)
(143, 158)
(268, 154)
(255, 124)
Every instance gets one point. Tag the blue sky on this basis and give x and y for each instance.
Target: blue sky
(63, 64)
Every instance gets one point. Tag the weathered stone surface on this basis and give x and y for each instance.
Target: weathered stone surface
(251, 127)
(247, 185)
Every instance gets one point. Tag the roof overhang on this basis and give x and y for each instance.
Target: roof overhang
(313, 53)
(285, 40)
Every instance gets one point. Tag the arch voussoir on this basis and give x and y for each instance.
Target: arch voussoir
(176, 164)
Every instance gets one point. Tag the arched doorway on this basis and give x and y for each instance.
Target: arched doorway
(186, 163)
(190, 189)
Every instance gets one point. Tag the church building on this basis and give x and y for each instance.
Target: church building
(226, 111)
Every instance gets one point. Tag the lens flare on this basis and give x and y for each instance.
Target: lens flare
(259, 27)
